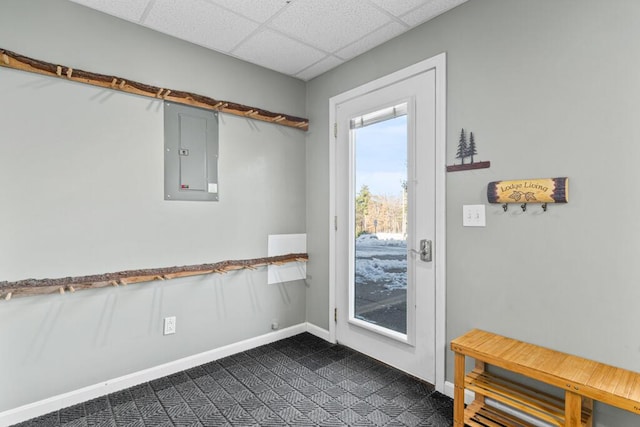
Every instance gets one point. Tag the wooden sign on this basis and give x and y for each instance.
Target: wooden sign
(545, 190)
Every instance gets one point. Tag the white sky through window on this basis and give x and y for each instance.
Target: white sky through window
(381, 156)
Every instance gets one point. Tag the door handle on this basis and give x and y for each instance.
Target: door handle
(425, 250)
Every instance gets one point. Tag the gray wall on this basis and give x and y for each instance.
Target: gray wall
(82, 193)
(549, 88)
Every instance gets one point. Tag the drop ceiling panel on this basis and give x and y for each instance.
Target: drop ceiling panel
(130, 10)
(398, 8)
(259, 50)
(372, 40)
(318, 68)
(329, 24)
(429, 10)
(199, 22)
(259, 11)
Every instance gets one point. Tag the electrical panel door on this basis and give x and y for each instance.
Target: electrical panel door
(191, 153)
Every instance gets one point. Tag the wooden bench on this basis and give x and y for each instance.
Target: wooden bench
(582, 380)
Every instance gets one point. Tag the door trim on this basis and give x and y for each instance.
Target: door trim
(437, 63)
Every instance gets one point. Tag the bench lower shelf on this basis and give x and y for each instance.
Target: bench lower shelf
(482, 415)
(539, 405)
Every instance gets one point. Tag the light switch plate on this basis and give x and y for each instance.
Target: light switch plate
(473, 216)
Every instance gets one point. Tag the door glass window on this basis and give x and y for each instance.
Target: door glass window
(379, 287)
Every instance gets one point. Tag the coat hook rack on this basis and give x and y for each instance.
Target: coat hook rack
(20, 62)
(525, 191)
(30, 287)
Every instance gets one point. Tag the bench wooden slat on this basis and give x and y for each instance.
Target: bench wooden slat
(603, 374)
(623, 385)
(576, 369)
(634, 393)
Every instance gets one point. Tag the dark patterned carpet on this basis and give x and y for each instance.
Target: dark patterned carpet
(299, 381)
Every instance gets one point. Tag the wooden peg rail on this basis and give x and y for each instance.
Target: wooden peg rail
(29, 287)
(19, 62)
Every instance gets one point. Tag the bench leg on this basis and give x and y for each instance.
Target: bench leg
(458, 391)
(588, 404)
(572, 409)
(480, 367)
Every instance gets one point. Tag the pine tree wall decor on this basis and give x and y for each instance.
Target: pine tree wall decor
(462, 147)
(467, 149)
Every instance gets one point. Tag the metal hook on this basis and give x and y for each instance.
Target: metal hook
(544, 207)
(505, 206)
(524, 207)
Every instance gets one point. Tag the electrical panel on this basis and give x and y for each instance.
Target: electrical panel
(190, 153)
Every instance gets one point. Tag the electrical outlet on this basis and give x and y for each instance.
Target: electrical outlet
(170, 325)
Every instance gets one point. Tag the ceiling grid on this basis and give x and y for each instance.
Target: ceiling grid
(300, 38)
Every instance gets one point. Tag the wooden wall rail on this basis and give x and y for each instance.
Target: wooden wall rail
(28, 287)
(19, 62)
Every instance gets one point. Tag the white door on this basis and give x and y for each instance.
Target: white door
(386, 222)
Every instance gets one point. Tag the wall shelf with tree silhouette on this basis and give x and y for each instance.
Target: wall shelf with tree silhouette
(467, 150)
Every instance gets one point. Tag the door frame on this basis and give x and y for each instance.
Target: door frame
(437, 63)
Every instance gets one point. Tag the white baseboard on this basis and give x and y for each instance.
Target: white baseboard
(45, 406)
(469, 396)
(318, 332)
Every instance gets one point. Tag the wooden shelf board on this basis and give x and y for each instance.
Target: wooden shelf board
(468, 166)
